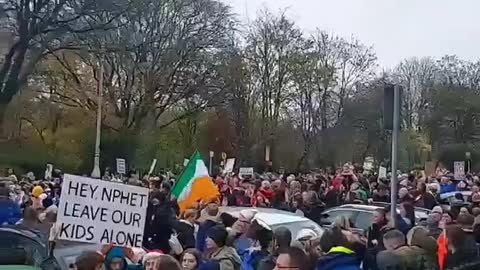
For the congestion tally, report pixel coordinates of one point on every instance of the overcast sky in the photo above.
(396, 28)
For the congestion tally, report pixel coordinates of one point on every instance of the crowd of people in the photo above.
(204, 237)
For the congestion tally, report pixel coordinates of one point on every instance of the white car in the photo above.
(274, 218)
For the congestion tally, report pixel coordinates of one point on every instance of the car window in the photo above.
(332, 215)
(363, 220)
(18, 249)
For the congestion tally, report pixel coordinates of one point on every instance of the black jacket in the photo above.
(185, 234)
(159, 227)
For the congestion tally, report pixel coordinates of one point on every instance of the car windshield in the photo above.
(17, 249)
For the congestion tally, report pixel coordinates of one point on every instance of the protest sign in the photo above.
(101, 212)
(48, 171)
(382, 172)
(121, 166)
(245, 171)
(152, 167)
(459, 170)
(430, 168)
(229, 165)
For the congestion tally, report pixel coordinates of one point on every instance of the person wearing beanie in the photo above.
(149, 260)
(239, 231)
(37, 197)
(226, 256)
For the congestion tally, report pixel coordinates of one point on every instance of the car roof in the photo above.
(269, 216)
(421, 213)
(452, 194)
(22, 232)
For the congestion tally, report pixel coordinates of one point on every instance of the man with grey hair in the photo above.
(393, 239)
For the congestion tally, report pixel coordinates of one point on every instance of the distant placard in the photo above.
(430, 167)
(459, 170)
(229, 165)
(244, 171)
(382, 172)
(152, 166)
(121, 166)
(101, 212)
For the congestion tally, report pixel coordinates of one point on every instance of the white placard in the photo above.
(185, 162)
(48, 171)
(121, 166)
(245, 171)
(152, 167)
(101, 212)
(382, 172)
(459, 170)
(229, 164)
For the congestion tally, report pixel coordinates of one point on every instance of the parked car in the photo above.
(274, 218)
(22, 250)
(361, 215)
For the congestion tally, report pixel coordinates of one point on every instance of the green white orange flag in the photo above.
(194, 184)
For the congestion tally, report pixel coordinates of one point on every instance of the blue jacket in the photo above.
(445, 188)
(10, 212)
(339, 258)
(202, 234)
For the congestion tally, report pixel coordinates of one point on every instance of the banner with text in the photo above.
(97, 211)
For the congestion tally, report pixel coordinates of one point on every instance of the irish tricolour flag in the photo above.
(194, 184)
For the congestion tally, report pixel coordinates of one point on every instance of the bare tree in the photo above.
(271, 42)
(417, 76)
(42, 26)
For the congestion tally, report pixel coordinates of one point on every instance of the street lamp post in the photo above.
(96, 161)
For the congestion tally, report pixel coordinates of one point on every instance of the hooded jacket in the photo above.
(228, 258)
(115, 253)
(339, 258)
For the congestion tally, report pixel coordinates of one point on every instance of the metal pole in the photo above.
(210, 166)
(395, 134)
(210, 163)
(96, 163)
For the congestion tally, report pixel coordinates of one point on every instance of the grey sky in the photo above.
(396, 28)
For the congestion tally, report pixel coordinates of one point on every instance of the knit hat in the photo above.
(37, 191)
(247, 215)
(306, 233)
(437, 209)
(153, 254)
(218, 234)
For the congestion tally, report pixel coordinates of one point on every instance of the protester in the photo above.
(167, 262)
(186, 228)
(337, 252)
(10, 212)
(89, 260)
(292, 258)
(159, 225)
(115, 259)
(226, 256)
(150, 260)
(191, 259)
(282, 237)
(209, 217)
